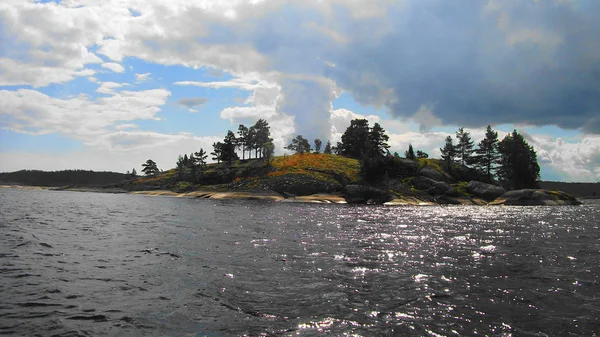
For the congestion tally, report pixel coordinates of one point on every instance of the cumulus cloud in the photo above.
(117, 68)
(32, 112)
(142, 77)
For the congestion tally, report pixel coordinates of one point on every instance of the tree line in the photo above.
(512, 161)
(62, 178)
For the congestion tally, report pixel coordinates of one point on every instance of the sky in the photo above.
(108, 84)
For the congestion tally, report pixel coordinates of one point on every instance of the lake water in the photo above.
(90, 264)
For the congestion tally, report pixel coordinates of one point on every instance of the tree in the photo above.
(318, 144)
(518, 167)
(268, 151)
(448, 152)
(228, 153)
(150, 168)
(242, 139)
(133, 173)
(199, 164)
(180, 166)
(217, 151)
(464, 148)
(486, 154)
(299, 145)
(410, 154)
(328, 149)
(261, 135)
(379, 139)
(421, 154)
(354, 139)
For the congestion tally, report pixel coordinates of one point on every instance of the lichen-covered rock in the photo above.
(359, 194)
(532, 197)
(484, 191)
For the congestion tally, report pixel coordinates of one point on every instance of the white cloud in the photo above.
(109, 87)
(142, 77)
(117, 68)
(32, 112)
(126, 150)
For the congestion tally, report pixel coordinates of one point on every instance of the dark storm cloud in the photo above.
(479, 63)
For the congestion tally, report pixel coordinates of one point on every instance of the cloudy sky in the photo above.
(107, 84)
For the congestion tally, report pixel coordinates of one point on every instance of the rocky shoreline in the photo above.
(352, 194)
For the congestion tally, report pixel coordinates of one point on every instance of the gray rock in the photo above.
(407, 167)
(432, 187)
(484, 191)
(531, 197)
(432, 173)
(359, 194)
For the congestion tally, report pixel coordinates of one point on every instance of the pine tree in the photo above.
(354, 139)
(464, 148)
(379, 139)
(150, 168)
(242, 139)
(448, 152)
(410, 154)
(421, 154)
(518, 167)
(299, 145)
(486, 154)
(228, 153)
(318, 144)
(328, 148)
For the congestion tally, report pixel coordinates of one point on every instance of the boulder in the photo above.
(406, 167)
(432, 173)
(533, 197)
(484, 191)
(359, 194)
(432, 187)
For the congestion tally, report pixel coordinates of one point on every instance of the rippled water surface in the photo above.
(85, 264)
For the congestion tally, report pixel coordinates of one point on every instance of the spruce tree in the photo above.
(410, 154)
(464, 148)
(518, 167)
(486, 154)
(448, 152)
(328, 149)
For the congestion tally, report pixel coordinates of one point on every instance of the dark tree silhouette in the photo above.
(410, 153)
(299, 145)
(328, 149)
(464, 148)
(318, 144)
(518, 163)
(448, 152)
(486, 154)
(150, 168)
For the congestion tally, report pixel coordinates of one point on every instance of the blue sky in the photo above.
(105, 85)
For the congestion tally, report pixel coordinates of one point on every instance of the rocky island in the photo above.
(328, 178)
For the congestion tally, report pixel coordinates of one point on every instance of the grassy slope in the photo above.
(254, 174)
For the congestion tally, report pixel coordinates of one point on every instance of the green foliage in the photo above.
(486, 154)
(464, 148)
(299, 145)
(421, 154)
(318, 144)
(518, 167)
(448, 152)
(328, 148)
(354, 139)
(410, 153)
(150, 168)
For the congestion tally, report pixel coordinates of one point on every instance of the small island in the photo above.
(359, 170)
